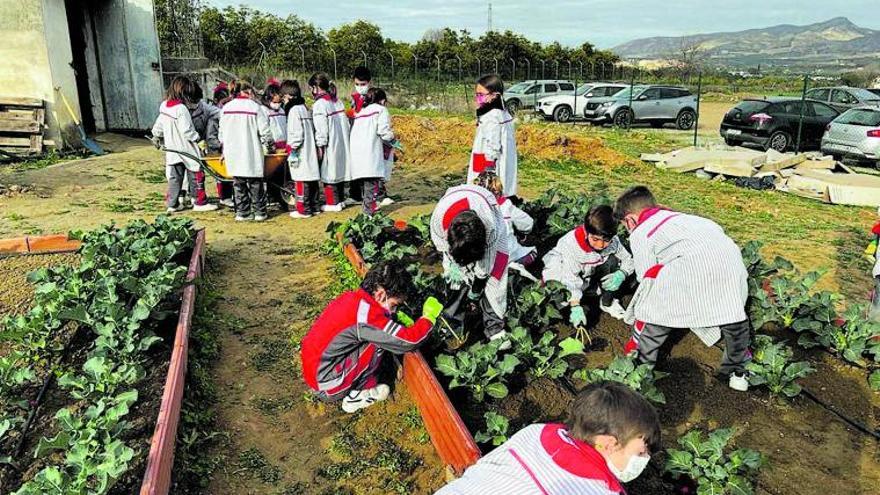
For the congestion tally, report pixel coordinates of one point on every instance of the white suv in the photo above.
(527, 93)
(564, 108)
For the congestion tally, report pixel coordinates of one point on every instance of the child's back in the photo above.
(243, 127)
(332, 131)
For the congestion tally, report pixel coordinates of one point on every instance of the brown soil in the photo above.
(15, 291)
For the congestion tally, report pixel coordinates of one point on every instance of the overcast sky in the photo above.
(605, 23)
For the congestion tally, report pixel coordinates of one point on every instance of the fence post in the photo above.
(479, 68)
(557, 69)
(513, 62)
(438, 66)
(569, 69)
(302, 55)
(632, 84)
(581, 70)
(543, 66)
(391, 55)
(575, 106)
(459, 67)
(528, 70)
(496, 64)
(602, 66)
(699, 93)
(365, 57)
(797, 148)
(593, 70)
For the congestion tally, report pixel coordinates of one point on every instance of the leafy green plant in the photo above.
(496, 429)
(851, 339)
(625, 370)
(874, 380)
(479, 369)
(793, 304)
(771, 365)
(534, 306)
(708, 461)
(544, 358)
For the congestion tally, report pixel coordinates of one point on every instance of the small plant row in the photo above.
(709, 463)
(118, 292)
(782, 296)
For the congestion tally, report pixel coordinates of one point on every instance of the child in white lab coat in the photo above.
(273, 106)
(370, 133)
(495, 143)
(516, 219)
(332, 140)
(244, 130)
(174, 130)
(305, 170)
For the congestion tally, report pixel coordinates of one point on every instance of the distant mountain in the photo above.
(834, 43)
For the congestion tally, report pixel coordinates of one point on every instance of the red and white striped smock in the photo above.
(540, 459)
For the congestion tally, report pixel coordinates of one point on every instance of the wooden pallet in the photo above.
(21, 124)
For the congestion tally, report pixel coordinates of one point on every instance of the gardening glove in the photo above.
(396, 144)
(871, 250)
(432, 309)
(203, 145)
(613, 281)
(577, 317)
(474, 295)
(405, 319)
(157, 142)
(453, 274)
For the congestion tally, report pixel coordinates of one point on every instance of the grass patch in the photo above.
(253, 463)
(47, 159)
(121, 205)
(274, 405)
(270, 353)
(152, 176)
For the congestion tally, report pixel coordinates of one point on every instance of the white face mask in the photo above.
(275, 106)
(634, 468)
(362, 90)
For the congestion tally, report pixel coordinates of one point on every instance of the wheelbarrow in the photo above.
(274, 164)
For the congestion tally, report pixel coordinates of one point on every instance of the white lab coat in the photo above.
(372, 126)
(301, 139)
(244, 128)
(493, 265)
(517, 221)
(573, 261)
(495, 142)
(175, 126)
(332, 132)
(277, 125)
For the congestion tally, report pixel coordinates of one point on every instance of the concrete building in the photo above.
(103, 55)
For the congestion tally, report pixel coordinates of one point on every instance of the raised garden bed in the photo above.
(837, 409)
(74, 376)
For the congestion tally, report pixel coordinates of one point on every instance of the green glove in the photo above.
(577, 318)
(453, 274)
(404, 319)
(474, 295)
(613, 281)
(432, 309)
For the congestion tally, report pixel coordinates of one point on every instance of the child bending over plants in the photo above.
(872, 254)
(342, 351)
(591, 259)
(517, 221)
(607, 440)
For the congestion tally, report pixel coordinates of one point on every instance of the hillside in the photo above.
(836, 42)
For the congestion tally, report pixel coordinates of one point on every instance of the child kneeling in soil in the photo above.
(607, 440)
(370, 134)
(516, 219)
(342, 351)
(244, 130)
(591, 258)
(873, 254)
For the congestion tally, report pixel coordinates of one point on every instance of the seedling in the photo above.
(543, 356)
(771, 366)
(708, 462)
(496, 429)
(639, 377)
(479, 369)
(792, 304)
(852, 339)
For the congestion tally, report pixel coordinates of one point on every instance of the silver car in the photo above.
(843, 98)
(559, 107)
(527, 93)
(854, 134)
(653, 104)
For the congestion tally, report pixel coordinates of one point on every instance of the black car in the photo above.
(773, 123)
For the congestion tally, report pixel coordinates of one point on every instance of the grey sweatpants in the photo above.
(370, 194)
(177, 173)
(250, 193)
(737, 337)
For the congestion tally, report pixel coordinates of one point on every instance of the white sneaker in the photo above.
(332, 208)
(359, 399)
(175, 209)
(522, 271)
(205, 207)
(739, 382)
(386, 201)
(239, 218)
(614, 309)
(260, 218)
(228, 202)
(350, 202)
(296, 214)
(502, 335)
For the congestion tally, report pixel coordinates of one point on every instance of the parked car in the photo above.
(876, 91)
(844, 97)
(563, 108)
(854, 134)
(526, 94)
(656, 105)
(773, 123)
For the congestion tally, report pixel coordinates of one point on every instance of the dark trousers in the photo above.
(250, 194)
(178, 173)
(456, 312)
(383, 189)
(334, 193)
(224, 190)
(370, 194)
(355, 189)
(307, 197)
(736, 344)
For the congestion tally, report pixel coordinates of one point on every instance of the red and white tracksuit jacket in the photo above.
(690, 273)
(345, 344)
(540, 459)
(493, 265)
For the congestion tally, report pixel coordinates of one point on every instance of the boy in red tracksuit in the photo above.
(342, 351)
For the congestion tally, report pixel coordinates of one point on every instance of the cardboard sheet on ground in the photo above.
(843, 189)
